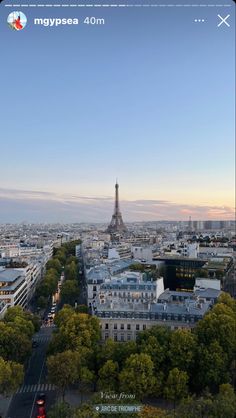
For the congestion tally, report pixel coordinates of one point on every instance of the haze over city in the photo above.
(33, 206)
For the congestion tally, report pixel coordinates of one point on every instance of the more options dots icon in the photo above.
(17, 20)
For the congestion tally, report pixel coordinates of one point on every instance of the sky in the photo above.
(148, 98)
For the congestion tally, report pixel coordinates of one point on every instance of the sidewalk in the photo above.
(73, 397)
(4, 405)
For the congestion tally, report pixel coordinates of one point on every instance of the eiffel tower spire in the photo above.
(116, 224)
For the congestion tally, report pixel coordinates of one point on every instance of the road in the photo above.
(23, 404)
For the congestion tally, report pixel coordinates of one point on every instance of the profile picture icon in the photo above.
(16, 20)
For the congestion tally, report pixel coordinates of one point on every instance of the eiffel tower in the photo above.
(116, 225)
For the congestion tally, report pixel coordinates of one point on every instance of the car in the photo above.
(49, 315)
(35, 344)
(41, 412)
(53, 310)
(40, 401)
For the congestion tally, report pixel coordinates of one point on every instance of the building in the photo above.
(131, 287)
(122, 321)
(202, 283)
(3, 309)
(13, 287)
(142, 253)
(99, 274)
(33, 273)
(120, 251)
(180, 272)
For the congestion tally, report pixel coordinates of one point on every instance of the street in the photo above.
(23, 404)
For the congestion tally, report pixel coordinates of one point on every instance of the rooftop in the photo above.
(191, 308)
(171, 295)
(9, 275)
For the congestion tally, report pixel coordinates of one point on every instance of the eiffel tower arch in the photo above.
(116, 225)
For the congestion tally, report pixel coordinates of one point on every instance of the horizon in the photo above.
(46, 207)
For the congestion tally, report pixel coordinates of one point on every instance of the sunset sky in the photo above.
(148, 98)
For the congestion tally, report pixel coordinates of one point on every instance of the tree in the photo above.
(218, 325)
(155, 342)
(222, 405)
(227, 300)
(123, 350)
(192, 407)
(211, 366)
(23, 326)
(80, 330)
(155, 350)
(11, 376)
(108, 376)
(42, 302)
(106, 352)
(15, 313)
(162, 335)
(176, 385)
(85, 377)
(63, 315)
(69, 291)
(71, 271)
(60, 410)
(48, 285)
(182, 349)
(152, 412)
(14, 344)
(85, 411)
(225, 402)
(54, 263)
(71, 259)
(82, 309)
(61, 255)
(63, 369)
(137, 376)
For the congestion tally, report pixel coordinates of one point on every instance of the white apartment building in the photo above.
(119, 252)
(122, 321)
(130, 287)
(190, 250)
(202, 283)
(9, 249)
(3, 308)
(215, 251)
(142, 253)
(13, 287)
(33, 274)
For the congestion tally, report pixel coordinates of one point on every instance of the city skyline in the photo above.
(34, 206)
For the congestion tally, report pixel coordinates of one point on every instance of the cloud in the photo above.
(41, 206)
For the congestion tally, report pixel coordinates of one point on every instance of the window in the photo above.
(115, 337)
(122, 337)
(144, 326)
(137, 327)
(122, 326)
(115, 326)
(128, 337)
(128, 326)
(94, 288)
(106, 326)
(106, 335)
